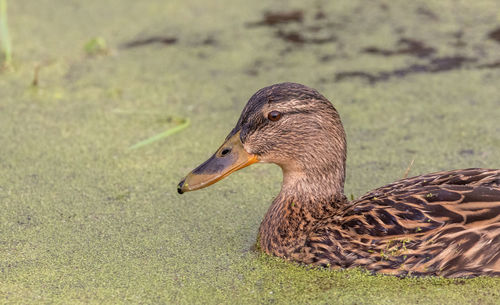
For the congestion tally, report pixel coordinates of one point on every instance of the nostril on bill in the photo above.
(225, 151)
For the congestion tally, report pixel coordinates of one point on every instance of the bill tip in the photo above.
(179, 187)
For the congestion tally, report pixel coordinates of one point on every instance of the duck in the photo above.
(444, 224)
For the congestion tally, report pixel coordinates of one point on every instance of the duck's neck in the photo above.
(305, 198)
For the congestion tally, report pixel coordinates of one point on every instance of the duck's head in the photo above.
(288, 124)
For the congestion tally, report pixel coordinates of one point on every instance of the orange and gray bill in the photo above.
(230, 157)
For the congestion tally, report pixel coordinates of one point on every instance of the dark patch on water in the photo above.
(459, 42)
(301, 35)
(291, 36)
(422, 11)
(406, 46)
(252, 72)
(466, 152)
(493, 65)
(495, 35)
(320, 15)
(384, 7)
(435, 65)
(371, 78)
(447, 63)
(327, 57)
(286, 50)
(276, 18)
(298, 29)
(165, 40)
(209, 41)
(254, 69)
(298, 38)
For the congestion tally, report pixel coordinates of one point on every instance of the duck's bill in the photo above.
(230, 157)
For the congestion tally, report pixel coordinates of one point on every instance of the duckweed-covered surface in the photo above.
(86, 220)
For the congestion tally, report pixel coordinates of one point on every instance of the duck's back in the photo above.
(445, 223)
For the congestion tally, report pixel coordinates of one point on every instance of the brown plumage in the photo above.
(445, 223)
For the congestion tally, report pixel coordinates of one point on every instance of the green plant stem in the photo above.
(4, 33)
(184, 123)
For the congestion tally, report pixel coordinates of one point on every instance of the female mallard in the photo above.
(445, 223)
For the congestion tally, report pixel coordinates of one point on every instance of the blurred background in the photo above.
(90, 216)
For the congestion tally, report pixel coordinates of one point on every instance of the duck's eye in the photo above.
(274, 115)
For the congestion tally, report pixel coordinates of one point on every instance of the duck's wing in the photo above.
(445, 223)
(470, 198)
